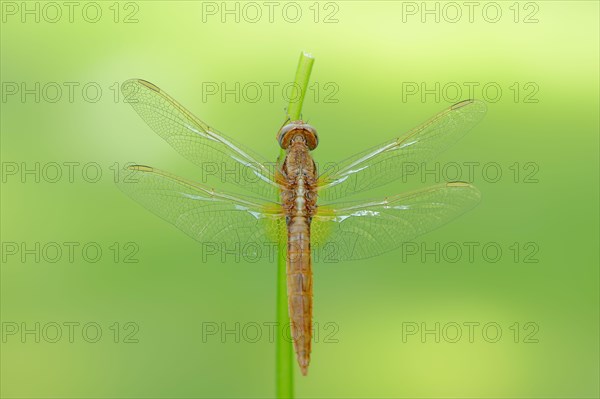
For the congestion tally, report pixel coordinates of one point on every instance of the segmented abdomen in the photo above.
(299, 287)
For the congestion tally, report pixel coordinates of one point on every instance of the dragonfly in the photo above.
(291, 202)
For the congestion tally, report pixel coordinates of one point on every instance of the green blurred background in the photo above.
(542, 55)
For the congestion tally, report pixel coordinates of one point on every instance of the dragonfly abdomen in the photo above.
(299, 283)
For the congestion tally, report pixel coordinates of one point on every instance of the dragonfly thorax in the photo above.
(298, 130)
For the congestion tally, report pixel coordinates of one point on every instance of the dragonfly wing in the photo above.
(220, 221)
(391, 160)
(214, 152)
(358, 230)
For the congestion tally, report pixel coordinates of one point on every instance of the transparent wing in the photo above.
(391, 160)
(214, 152)
(221, 222)
(356, 230)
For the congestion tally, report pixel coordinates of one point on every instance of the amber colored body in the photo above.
(299, 197)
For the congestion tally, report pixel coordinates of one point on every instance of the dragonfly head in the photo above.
(298, 130)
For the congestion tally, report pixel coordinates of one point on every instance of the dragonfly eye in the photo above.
(298, 128)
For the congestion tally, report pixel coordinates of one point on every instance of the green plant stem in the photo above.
(285, 349)
(305, 64)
